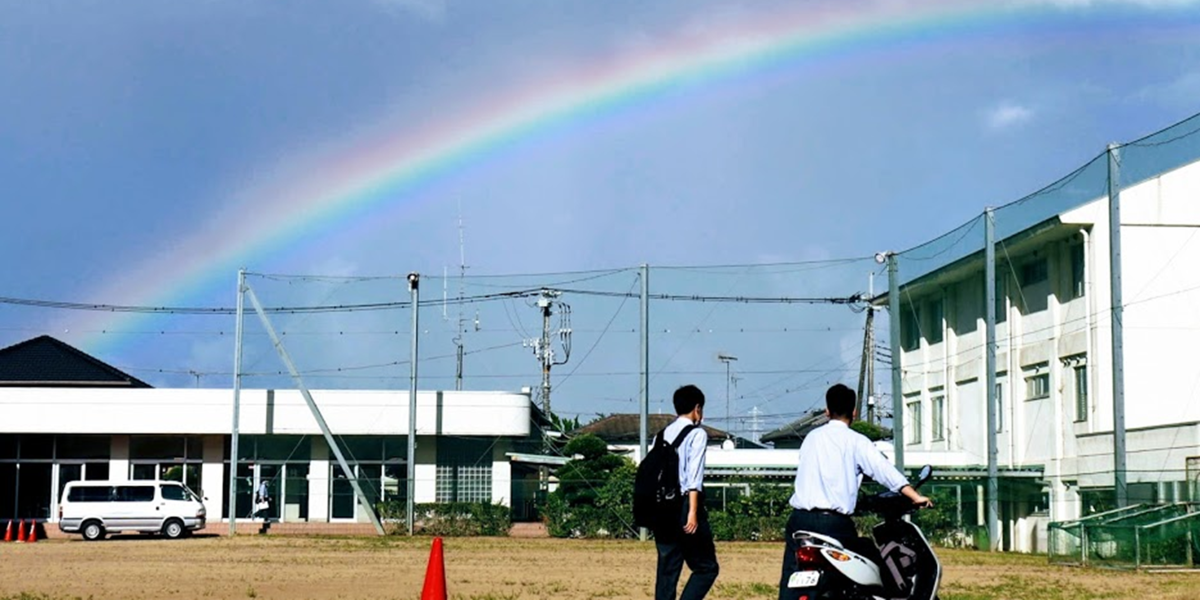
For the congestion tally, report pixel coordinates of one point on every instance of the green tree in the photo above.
(595, 492)
(872, 431)
(580, 480)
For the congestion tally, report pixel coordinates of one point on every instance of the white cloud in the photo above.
(433, 10)
(1006, 115)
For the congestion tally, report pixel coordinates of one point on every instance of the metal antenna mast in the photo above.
(462, 274)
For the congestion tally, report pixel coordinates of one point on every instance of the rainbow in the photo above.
(382, 176)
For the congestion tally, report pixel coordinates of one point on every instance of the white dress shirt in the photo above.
(691, 454)
(833, 460)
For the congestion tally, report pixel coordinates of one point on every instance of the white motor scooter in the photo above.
(826, 569)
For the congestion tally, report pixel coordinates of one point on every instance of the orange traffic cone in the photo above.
(8, 532)
(21, 531)
(32, 532)
(435, 574)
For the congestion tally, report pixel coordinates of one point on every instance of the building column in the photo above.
(212, 472)
(501, 475)
(318, 481)
(118, 462)
(425, 488)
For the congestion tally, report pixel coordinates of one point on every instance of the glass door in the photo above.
(271, 475)
(295, 493)
(341, 504)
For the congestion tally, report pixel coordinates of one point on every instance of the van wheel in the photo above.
(93, 531)
(173, 529)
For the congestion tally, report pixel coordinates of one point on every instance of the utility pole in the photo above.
(870, 391)
(237, 397)
(755, 423)
(543, 347)
(989, 311)
(544, 351)
(894, 326)
(868, 357)
(1118, 323)
(414, 288)
(644, 368)
(727, 359)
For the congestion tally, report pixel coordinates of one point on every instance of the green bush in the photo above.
(760, 515)
(940, 523)
(448, 519)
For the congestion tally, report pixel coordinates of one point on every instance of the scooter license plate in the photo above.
(803, 579)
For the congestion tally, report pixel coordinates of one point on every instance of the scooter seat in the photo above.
(799, 537)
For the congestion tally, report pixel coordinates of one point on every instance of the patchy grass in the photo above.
(393, 568)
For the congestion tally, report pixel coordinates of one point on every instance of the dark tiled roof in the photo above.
(46, 362)
(796, 431)
(793, 434)
(626, 428)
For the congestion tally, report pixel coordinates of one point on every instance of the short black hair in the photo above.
(687, 398)
(841, 401)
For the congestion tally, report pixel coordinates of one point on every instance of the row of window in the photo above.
(1032, 295)
(125, 493)
(1037, 387)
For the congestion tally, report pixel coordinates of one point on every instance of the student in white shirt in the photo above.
(695, 545)
(833, 460)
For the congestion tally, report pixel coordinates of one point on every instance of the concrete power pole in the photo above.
(544, 351)
(989, 301)
(1118, 325)
(543, 347)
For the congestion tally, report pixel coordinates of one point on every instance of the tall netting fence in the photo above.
(763, 341)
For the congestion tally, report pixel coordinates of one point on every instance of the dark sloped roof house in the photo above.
(44, 361)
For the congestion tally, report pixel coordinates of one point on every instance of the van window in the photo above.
(90, 493)
(174, 492)
(135, 493)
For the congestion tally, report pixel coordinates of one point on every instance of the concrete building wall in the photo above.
(1055, 332)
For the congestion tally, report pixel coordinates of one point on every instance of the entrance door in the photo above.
(272, 476)
(341, 505)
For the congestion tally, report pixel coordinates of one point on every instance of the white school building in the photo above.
(1054, 361)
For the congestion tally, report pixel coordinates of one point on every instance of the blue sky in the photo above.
(126, 127)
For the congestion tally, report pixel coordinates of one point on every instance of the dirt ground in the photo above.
(484, 569)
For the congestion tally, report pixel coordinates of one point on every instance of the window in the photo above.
(999, 406)
(143, 472)
(1035, 286)
(90, 493)
(910, 330)
(173, 492)
(936, 316)
(83, 446)
(1077, 271)
(1081, 393)
(1037, 382)
(1001, 295)
(914, 422)
(938, 405)
(464, 471)
(1034, 271)
(134, 493)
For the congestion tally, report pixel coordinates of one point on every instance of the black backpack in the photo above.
(657, 501)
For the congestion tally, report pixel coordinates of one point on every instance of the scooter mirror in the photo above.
(925, 474)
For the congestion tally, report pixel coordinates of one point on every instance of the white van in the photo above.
(96, 508)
